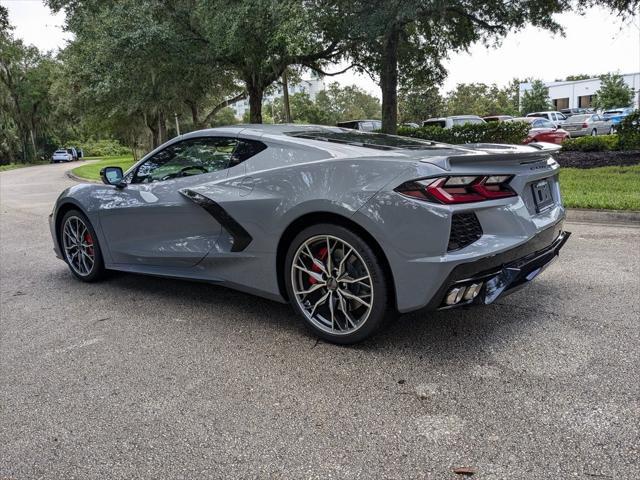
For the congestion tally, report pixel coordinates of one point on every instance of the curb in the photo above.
(70, 174)
(607, 217)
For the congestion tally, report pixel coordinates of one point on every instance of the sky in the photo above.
(596, 42)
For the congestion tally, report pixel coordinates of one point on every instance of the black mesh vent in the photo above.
(465, 229)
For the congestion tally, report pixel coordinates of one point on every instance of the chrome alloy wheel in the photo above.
(78, 246)
(332, 284)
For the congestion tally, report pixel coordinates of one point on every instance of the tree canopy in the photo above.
(26, 76)
(411, 38)
(481, 99)
(135, 67)
(535, 99)
(330, 106)
(613, 92)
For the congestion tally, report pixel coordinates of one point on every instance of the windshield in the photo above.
(380, 141)
(464, 121)
(544, 123)
(580, 118)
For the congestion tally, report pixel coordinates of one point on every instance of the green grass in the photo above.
(91, 171)
(612, 188)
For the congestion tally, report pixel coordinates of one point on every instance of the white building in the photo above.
(581, 93)
(311, 86)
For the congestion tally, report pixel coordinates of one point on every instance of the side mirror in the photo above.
(112, 176)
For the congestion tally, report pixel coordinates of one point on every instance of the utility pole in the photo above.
(175, 115)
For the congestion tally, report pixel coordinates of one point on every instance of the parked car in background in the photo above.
(409, 125)
(497, 118)
(554, 116)
(66, 155)
(62, 155)
(616, 115)
(543, 130)
(448, 122)
(363, 125)
(568, 112)
(588, 124)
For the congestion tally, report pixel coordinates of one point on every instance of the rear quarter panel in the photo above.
(266, 202)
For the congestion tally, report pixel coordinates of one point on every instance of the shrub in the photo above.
(591, 144)
(494, 132)
(100, 148)
(629, 132)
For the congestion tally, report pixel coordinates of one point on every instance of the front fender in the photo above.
(87, 199)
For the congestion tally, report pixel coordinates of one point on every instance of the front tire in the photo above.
(337, 284)
(80, 247)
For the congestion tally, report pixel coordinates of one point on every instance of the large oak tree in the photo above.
(405, 40)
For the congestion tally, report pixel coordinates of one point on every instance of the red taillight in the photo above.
(459, 189)
(585, 125)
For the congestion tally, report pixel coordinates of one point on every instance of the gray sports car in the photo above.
(350, 227)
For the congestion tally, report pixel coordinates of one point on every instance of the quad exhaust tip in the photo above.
(464, 292)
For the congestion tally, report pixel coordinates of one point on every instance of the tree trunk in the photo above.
(25, 147)
(255, 103)
(285, 97)
(152, 125)
(33, 144)
(28, 149)
(389, 81)
(155, 138)
(194, 115)
(162, 127)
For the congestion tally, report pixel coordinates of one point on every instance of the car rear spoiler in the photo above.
(497, 154)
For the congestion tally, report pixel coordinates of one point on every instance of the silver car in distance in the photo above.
(349, 227)
(588, 124)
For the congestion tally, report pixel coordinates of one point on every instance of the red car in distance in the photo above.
(543, 130)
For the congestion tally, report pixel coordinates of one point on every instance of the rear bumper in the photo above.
(506, 272)
(579, 133)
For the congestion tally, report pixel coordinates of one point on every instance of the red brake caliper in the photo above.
(322, 254)
(89, 241)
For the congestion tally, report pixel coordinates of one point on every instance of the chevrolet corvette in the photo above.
(350, 227)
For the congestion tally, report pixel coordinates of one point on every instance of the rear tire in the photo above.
(337, 284)
(612, 130)
(594, 132)
(80, 247)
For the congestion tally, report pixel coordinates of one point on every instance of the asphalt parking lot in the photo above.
(141, 377)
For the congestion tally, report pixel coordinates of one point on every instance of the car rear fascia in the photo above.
(506, 272)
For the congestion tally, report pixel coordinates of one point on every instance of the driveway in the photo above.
(141, 377)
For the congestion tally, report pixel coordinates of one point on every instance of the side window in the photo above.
(434, 123)
(537, 123)
(547, 124)
(190, 157)
(245, 150)
(366, 126)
